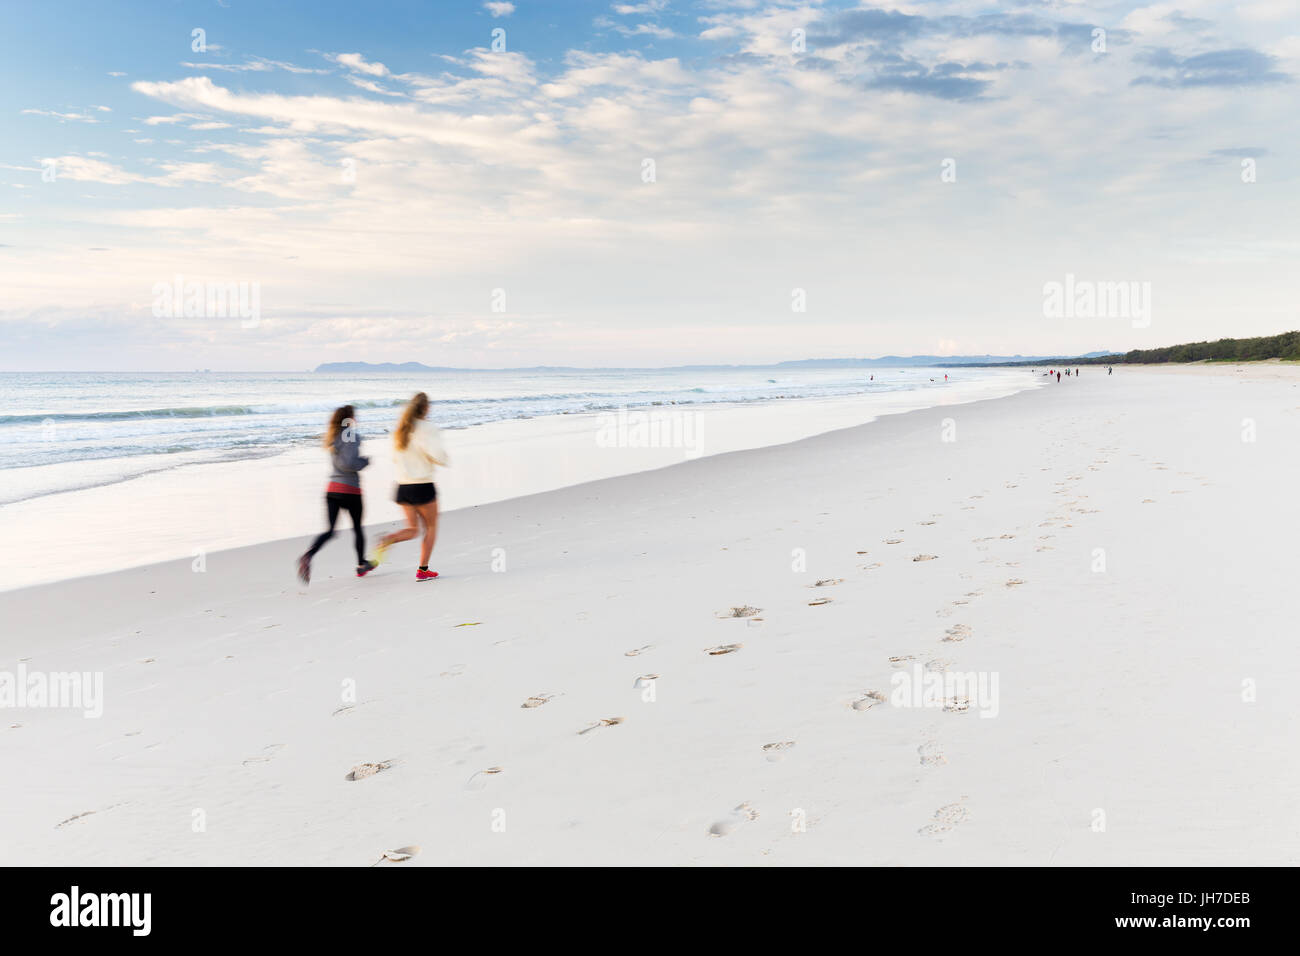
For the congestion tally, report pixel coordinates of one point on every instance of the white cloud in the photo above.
(637, 9)
(64, 117)
(174, 118)
(358, 63)
(370, 86)
(252, 65)
(499, 8)
(87, 170)
(647, 29)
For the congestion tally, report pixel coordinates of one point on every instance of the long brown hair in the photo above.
(343, 415)
(415, 409)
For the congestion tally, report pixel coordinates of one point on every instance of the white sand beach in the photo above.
(1111, 556)
(196, 509)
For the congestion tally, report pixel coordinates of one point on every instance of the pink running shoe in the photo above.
(425, 575)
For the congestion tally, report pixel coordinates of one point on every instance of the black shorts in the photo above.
(416, 494)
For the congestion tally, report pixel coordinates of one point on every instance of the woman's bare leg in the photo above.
(403, 534)
(429, 513)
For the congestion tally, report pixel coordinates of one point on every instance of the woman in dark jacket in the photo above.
(344, 489)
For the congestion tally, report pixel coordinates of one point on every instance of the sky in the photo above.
(639, 183)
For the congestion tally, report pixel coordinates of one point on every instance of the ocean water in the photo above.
(64, 431)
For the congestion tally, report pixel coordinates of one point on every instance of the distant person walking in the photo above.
(1058, 376)
(417, 447)
(343, 493)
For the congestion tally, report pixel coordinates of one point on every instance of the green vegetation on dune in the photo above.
(1284, 346)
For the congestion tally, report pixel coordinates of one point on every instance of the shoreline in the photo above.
(196, 509)
(1119, 692)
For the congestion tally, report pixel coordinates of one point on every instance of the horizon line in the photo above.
(939, 359)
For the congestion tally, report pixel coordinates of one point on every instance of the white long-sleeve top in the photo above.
(414, 464)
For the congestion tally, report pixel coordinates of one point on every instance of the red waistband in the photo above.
(336, 487)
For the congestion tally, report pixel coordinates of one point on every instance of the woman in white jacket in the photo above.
(417, 447)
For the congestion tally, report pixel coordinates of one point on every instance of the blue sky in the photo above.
(397, 189)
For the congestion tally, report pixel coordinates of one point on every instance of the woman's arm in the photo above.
(431, 444)
(350, 453)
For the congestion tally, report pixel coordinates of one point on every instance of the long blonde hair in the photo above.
(343, 415)
(415, 409)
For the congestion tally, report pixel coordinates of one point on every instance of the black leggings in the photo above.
(352, 504)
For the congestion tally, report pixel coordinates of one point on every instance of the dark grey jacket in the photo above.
(347, 460)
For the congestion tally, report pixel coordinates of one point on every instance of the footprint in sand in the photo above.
(73, 819)
(479, 779)
(270, 752)
(937, 665)
(723, 649)
(931, 754)
(956, 705)
(956, 633)
(78, 816)
(925, 522)
(827, 583)
(776, 751)
(870, 567)
(893, 541)
(400, 855)
(945, 818)
(901, 660)
(637, 651)
(868, 700)
(1015, 583)
(603, 722)
(741, 814)
(819, 601)
(363, 770)
(743, 611)
(645, 680)
(1148, 501)
(455, 670)
(537, 701)
(925, 557)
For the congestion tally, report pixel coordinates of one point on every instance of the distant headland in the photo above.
(887, 361)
